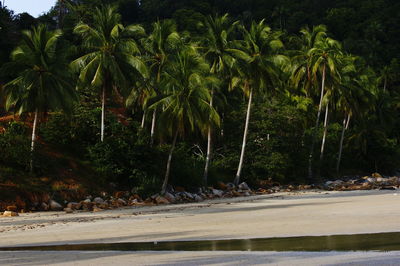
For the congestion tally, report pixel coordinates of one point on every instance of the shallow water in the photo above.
(359, 242)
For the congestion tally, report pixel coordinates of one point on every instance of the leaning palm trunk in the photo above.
(153, 127)
(344, 127)
(165, 183)
(209, 146)
(325, 132)
(143, 119)
(33, 138)
(310, 158)
(103, 105)
(246, 127)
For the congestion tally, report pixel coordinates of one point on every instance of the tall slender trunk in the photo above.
(310, 158)
(153, 127)
(209, 136)
(33, 138)
(103, 104)
(246, 128)
(165, 183)
(143, 119)
(325, 132)
(344, 127)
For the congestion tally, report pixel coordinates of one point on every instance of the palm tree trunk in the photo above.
(325, 132)
(103, 104)
(246, 128)
(33, 138)
(344, 127)
(310, 158)
(208, 158)
(153, 127)
(165, 183)
(143, 119)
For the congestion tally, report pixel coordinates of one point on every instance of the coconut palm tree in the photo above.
(159, 46)
(220, 54)
(43, 81)
(256, 69)
(112, 55)
(324, 57)
(185, 102)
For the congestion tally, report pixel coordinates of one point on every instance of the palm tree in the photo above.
(112, 60)
(159, 46)
(219, 53)
(256, 69)
(43, 81)
(324, 57)
(185, 102)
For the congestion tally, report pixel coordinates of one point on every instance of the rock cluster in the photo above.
(375, 181)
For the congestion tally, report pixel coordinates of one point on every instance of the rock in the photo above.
(230, 186)
(243, 186)
(10, 214)
(329, 183)
(189, 195)
(198, 198)
(87, 206)
(376, 175)
(97, 209)
(170, 197)
(103, 205)
(98, 200)
(12, 208)
(120, 202)
(74, 205)
(87, 201)
(68, 210)
(371, 180)
(44, 206)
(161, 200)
(55, 206)
(217, 192)
(388, 188)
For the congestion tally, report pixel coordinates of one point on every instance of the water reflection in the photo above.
(360, 242)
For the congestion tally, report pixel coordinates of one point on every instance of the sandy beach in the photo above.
(275, 215)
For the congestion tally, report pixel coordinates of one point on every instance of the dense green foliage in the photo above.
(308, 89)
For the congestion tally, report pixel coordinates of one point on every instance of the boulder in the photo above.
(198, 198)
(376, 175)
(44, 206)
(55, 206)
(98, 200)
(170, 197)
(74, 205)
(161, 200)
(217, 192)
(10, 214)
(243, 186)
(97, 209)
(122, 202)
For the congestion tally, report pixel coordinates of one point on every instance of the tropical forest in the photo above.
(154, 96)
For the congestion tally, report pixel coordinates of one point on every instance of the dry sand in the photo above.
(286, 214)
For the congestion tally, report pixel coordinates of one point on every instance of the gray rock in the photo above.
(98, 200)
(68, 210)
(171, 198)
(198, 198)
(217, 192)
(87, 201)
(122, 201)
(55, 206)
(243, 186)
(371, 180)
